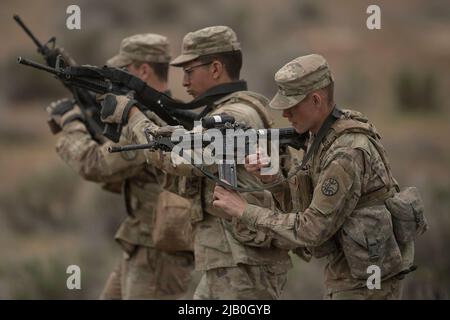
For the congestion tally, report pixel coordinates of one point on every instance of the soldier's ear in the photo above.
(316, 99)
(217, 68)
(145, 70)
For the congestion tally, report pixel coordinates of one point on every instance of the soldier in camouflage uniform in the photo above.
(237, 262)
(338, 198)
(143, 272)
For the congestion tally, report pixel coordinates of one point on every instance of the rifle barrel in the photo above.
(113, 149)
(28, 31)
(37, 65)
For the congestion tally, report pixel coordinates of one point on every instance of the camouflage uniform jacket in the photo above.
(140, 183)
(219, 242)
(345, 218)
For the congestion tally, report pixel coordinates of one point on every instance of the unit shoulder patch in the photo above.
(330, 187)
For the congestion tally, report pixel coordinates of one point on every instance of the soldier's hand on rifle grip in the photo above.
(231, 202)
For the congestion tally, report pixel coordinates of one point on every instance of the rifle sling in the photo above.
(159, 102)
(162, 104)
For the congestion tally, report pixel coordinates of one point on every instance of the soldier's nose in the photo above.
(185, 81)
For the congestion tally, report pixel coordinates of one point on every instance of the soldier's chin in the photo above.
(299, 129)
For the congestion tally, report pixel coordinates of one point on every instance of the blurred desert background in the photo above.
(398, 76)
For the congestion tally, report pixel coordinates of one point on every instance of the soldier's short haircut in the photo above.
(231, 60)
(161, 69)
(329, 90)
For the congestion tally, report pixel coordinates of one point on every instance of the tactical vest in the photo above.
(192, 186)
(392, 246)
(352, 122)
(220, 242)
(252, 99)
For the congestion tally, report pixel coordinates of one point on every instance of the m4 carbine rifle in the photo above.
(102, 80)
(227, 170)
(85, 99)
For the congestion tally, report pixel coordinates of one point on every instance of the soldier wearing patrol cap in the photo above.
(237, 262)
(143, 272)
(340, 199)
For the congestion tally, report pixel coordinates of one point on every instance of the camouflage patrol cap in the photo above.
(298, 78)
(206, 41)
(147, 47)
